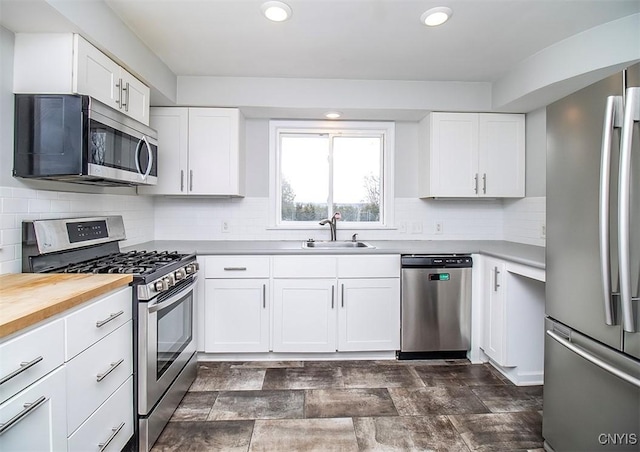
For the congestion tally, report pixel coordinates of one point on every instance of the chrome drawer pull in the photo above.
(114, 432)
(28, 409)
(101, 376)
(100, 323)
(235, 269)
(23, 366)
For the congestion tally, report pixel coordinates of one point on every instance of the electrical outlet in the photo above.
(225, 226)
(543, 231)
(416, 227)
(439, 227)
(402, 227)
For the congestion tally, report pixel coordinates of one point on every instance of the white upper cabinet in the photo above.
(470, 155)
(201, 151)
(65, 63)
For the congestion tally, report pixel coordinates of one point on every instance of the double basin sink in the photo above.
(331, 245)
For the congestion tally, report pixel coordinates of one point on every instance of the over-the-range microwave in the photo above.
(75, 138)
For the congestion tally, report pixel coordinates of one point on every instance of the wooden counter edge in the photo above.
(15, 325)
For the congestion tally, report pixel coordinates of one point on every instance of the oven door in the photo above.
(166, 342)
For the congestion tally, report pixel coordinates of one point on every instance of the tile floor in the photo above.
(354, 406)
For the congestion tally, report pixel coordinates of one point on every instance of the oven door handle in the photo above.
(171, 301)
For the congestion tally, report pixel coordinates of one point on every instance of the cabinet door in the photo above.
(214, 151)
(304, 315)
(172, 125)
(369, 314)
(135, 97)
(454, 154)
(501, 161)
(43, 426)
(96, 74)
(236, 315)
(494, 310)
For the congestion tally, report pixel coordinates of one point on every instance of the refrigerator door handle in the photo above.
(612, 120)
(631, 115)
(594, 359)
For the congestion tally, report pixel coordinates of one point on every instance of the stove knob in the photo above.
(189, 269)
(167, 281)
(159, 286)
(180, 274)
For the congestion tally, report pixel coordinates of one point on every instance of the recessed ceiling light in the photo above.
(436, 16)
(332, 114)
(276, 11)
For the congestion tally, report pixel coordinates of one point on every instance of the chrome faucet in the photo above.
(332, 224)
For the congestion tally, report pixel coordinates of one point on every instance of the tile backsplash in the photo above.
(18, 204)
(166, 218)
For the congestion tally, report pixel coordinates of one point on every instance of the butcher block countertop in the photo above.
(28, 298)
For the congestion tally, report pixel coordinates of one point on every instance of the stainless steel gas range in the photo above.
(163, 304)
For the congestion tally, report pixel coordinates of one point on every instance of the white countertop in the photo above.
(530, 255)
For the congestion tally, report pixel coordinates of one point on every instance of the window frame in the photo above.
(385, 129)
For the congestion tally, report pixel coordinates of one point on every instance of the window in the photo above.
(319, 168)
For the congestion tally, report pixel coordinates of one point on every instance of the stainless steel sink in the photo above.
(328, 245)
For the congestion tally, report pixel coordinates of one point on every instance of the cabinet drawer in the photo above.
(109, 361)
(41, 350)
(304, 267)
(383, 266)
(236, 267)
(110, 427)
(42, 428)
(90, 324)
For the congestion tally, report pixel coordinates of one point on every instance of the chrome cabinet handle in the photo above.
(496, 272)
(181, 180)
(112, 367)
(631, 115)
(190, 180)
(235, 269)
(114, 432)
(612, 118)
(113, 316)
(475, 183)
(484, 183)
(333, 296)
(264, 296)
(28, 409)
(119, 86)
(594, 359)
(342, 294)
(126, 104)
(23, 366)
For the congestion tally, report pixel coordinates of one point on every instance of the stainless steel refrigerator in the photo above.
(592, 341)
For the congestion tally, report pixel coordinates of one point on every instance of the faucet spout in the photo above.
(332, 224)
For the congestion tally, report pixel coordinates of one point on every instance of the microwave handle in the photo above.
(149, 153)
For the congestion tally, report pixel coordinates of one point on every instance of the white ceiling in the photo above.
(359, 39)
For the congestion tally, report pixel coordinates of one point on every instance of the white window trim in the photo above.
(301, 126)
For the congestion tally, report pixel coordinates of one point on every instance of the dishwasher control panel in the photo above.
(439, 261)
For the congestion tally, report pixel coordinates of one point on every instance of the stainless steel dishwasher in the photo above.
(436, 306)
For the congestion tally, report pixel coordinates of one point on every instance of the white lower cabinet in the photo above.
(304, 315)
(301, 303)
(369, 314)
(495, 311)
(96, 373)
(513, 297)
(53, 403)
(236, 315)
(35, 419)
(110, 427)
